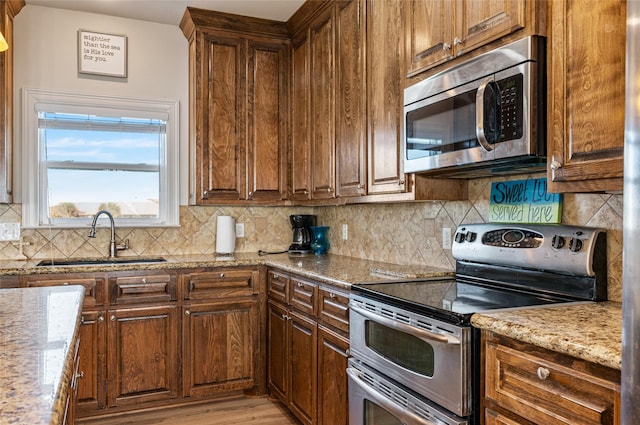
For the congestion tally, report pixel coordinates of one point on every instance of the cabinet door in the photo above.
(277, 369)
(142, 355)
(303, 363)
(92, 356)
(322, 45)
(428, 45)
(300, 127)
(350, 99)
(481, 21)
(385, 70)
(587, 91)
(267, 78)
(219, 347)
(333, 352)
(220, 169)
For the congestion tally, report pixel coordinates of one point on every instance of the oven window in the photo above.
(445, 126)
(376, 415)
(405, 350)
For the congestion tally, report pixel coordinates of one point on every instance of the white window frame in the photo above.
(35, 208)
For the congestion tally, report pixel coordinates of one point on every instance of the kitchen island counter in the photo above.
(588, 331)
(38, 333)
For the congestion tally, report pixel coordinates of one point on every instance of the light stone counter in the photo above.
(38, 332)
(588, 331)
(334, 269)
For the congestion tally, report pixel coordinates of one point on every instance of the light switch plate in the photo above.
(239, 230)
(446, 238)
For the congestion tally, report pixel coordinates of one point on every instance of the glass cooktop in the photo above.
(450, 297)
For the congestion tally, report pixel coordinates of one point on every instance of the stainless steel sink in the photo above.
(102, 261)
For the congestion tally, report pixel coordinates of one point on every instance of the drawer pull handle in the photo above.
(543, 373)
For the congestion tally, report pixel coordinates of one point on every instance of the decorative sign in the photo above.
(524, 201)
(102, 54)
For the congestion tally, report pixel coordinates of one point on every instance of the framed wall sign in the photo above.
(524, 201)
(102, 54)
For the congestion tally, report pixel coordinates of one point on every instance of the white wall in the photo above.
(46, 55)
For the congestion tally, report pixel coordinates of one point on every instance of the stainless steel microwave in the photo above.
(482, 117)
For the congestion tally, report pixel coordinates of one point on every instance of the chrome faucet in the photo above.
(113, 247)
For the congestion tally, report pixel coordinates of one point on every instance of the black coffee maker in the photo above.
(302, 235)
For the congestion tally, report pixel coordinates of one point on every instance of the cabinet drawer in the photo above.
(302, 295)
(217, 284)
(149, 288)
(333, 308)
(93, 287)
(278, 284)
(549, 392)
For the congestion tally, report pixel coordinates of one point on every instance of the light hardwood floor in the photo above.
(235, 411)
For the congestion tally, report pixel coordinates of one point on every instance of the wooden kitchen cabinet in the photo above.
(220, 332)
(8, 10)
(587, 45)
(238, 85)
(385, 97)
(525, 384)
(306, 356)
(441, 30)
(142, 355)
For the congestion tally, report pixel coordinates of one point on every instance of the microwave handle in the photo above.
(488, 91)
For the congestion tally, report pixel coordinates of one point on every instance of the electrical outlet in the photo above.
(446, 238)
(239, 230)
(9, 231)
(345, 232)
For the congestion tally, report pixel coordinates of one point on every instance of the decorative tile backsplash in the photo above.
(402, 233)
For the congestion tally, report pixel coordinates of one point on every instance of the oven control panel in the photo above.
(568, 249)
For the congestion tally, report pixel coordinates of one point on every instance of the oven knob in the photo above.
(471, 236)
(459, 237)
(557, 242)
(575, 245)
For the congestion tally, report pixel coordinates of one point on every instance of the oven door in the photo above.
(426, 355)
(376, 400)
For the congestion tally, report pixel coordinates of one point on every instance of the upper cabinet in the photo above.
(8, 10)
(238, 84)
(441, 30)
(586, 95)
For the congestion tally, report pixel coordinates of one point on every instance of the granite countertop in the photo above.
(37, 345)
(337, 270)
(588, 331)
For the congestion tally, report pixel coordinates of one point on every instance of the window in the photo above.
(88, 153)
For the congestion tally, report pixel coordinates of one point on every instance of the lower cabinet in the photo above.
(525, 384)
(151, 338)
(218, 341)
(306, 357)
(142, 355)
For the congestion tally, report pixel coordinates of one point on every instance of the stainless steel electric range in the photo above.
(416, 358)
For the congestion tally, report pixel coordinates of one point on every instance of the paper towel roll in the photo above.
(225, 234)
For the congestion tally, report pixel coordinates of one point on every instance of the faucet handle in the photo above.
(123, 245)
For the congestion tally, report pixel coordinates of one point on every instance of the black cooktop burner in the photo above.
(452, 299)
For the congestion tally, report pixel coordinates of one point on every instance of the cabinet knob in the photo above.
(329, 190)
(187, 312)
(360, 186)
(81, 374)
(401, 181)
(205, 194)
(300, 284)
(543, 373)
(555, 165)
(101, 318)
(446, 47)
(457, 41)
(82, 320)
(250, 195)
(144, 280)
(332, 295)
(113, 317)
(221, 275)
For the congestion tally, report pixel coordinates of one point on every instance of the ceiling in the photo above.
(171, 11)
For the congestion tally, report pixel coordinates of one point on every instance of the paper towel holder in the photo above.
(225, 236)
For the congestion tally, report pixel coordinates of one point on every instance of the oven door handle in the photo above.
(379, 398)
(424, 335)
